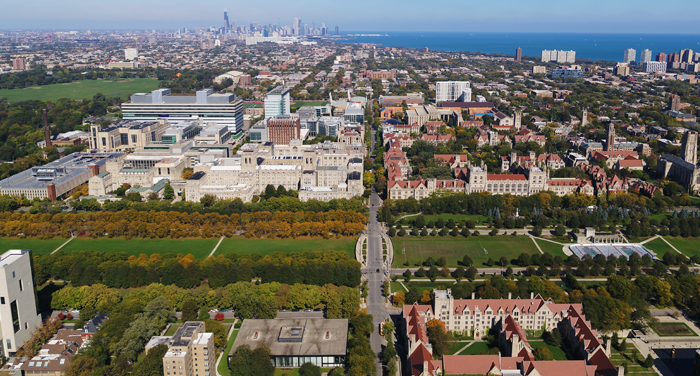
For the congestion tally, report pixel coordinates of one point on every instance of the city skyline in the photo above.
(624, 16)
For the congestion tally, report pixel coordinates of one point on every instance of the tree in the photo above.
(543, 353)
(152, 363)
(433, 273)
(648, 362)
(309, 369)
(362, 324)
(407, 275)
(560, 230)
(420, 273)
(240, 363)
(503, 261)
(467, 261)
(261, 365)
(189, 311)
(207, 200)
(398, 299)
(168, 193)
(490, 262)
(439, 338)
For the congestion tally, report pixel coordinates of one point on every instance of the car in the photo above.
(223, 310)
(377, 270)
(307, 310)
(283, 310)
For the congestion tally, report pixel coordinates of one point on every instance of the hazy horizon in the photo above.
(622, 16)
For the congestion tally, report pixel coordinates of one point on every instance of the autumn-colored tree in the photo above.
(398, 299)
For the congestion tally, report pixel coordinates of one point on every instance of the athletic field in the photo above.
(85, 89)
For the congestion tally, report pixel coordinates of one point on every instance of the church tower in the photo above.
(584, 117)
(518, 119)
(610, 145)
(689, 147)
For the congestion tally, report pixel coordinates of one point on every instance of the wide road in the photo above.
(375, 275)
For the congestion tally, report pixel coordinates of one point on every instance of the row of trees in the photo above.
(132, 223)
(247, 299)
(116, 269)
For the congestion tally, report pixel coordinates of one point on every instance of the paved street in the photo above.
(375, 300)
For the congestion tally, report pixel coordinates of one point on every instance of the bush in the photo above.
(543, 353)
(309, 369)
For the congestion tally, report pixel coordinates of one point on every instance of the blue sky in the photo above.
(617, 16)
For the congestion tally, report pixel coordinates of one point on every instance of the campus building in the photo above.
(191, 351)
(510, 318)
(682, 170)
(295, 341)
(18, 306)
(56, 179)
(126, 135)
(326, 171)
(277, 102)
(218, 108)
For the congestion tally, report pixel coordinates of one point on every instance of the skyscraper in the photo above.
(277, 102)
(645, 56)
(336, 31)
(630, 55)
(295, 26)
(447, 91)
(661, 57)
(687, 56)
(227, 25)
(519, 54)
(610, 144)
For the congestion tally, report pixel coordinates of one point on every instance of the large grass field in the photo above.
(85, 89)
(479, 248)
(659, 247)
(38, 246)
(199, 248)
(554, 249)
(241, 245)
(689, 246)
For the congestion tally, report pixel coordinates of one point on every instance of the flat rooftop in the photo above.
(295, 336)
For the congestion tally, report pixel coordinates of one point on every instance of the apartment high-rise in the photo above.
(277, 102)
(18, 63)
(687, 56)
(558, 56)
(654, 66)
(451, 91)
(645, 56)
(191, 351)
(18, 307)
(630, 55)
(131, 54)
(661, 57)
(518, 54)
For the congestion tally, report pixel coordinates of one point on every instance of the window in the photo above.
(13, 274)
(2, 300)
(9, 344)
(15, 317)
(21, 286)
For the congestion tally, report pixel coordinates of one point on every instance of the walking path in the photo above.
(217, 245)
(670, 245)
(230, 332)
(650, 239)
(464, 348)
(67, 241)
(536, 245)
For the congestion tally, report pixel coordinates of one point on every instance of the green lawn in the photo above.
(633, 368)
(558, 352)
(429, 286)
(554, 249)
(689, 246)
(85, 89)
(241, 245)
(199, 248)
(418, 249)
(38, 246)
(223, 364)
(475, 349)
(396, 286)
(456, 346)
(172, 329)
(659, 247)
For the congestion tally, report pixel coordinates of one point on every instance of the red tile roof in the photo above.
(470, 364)
(490, 177)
